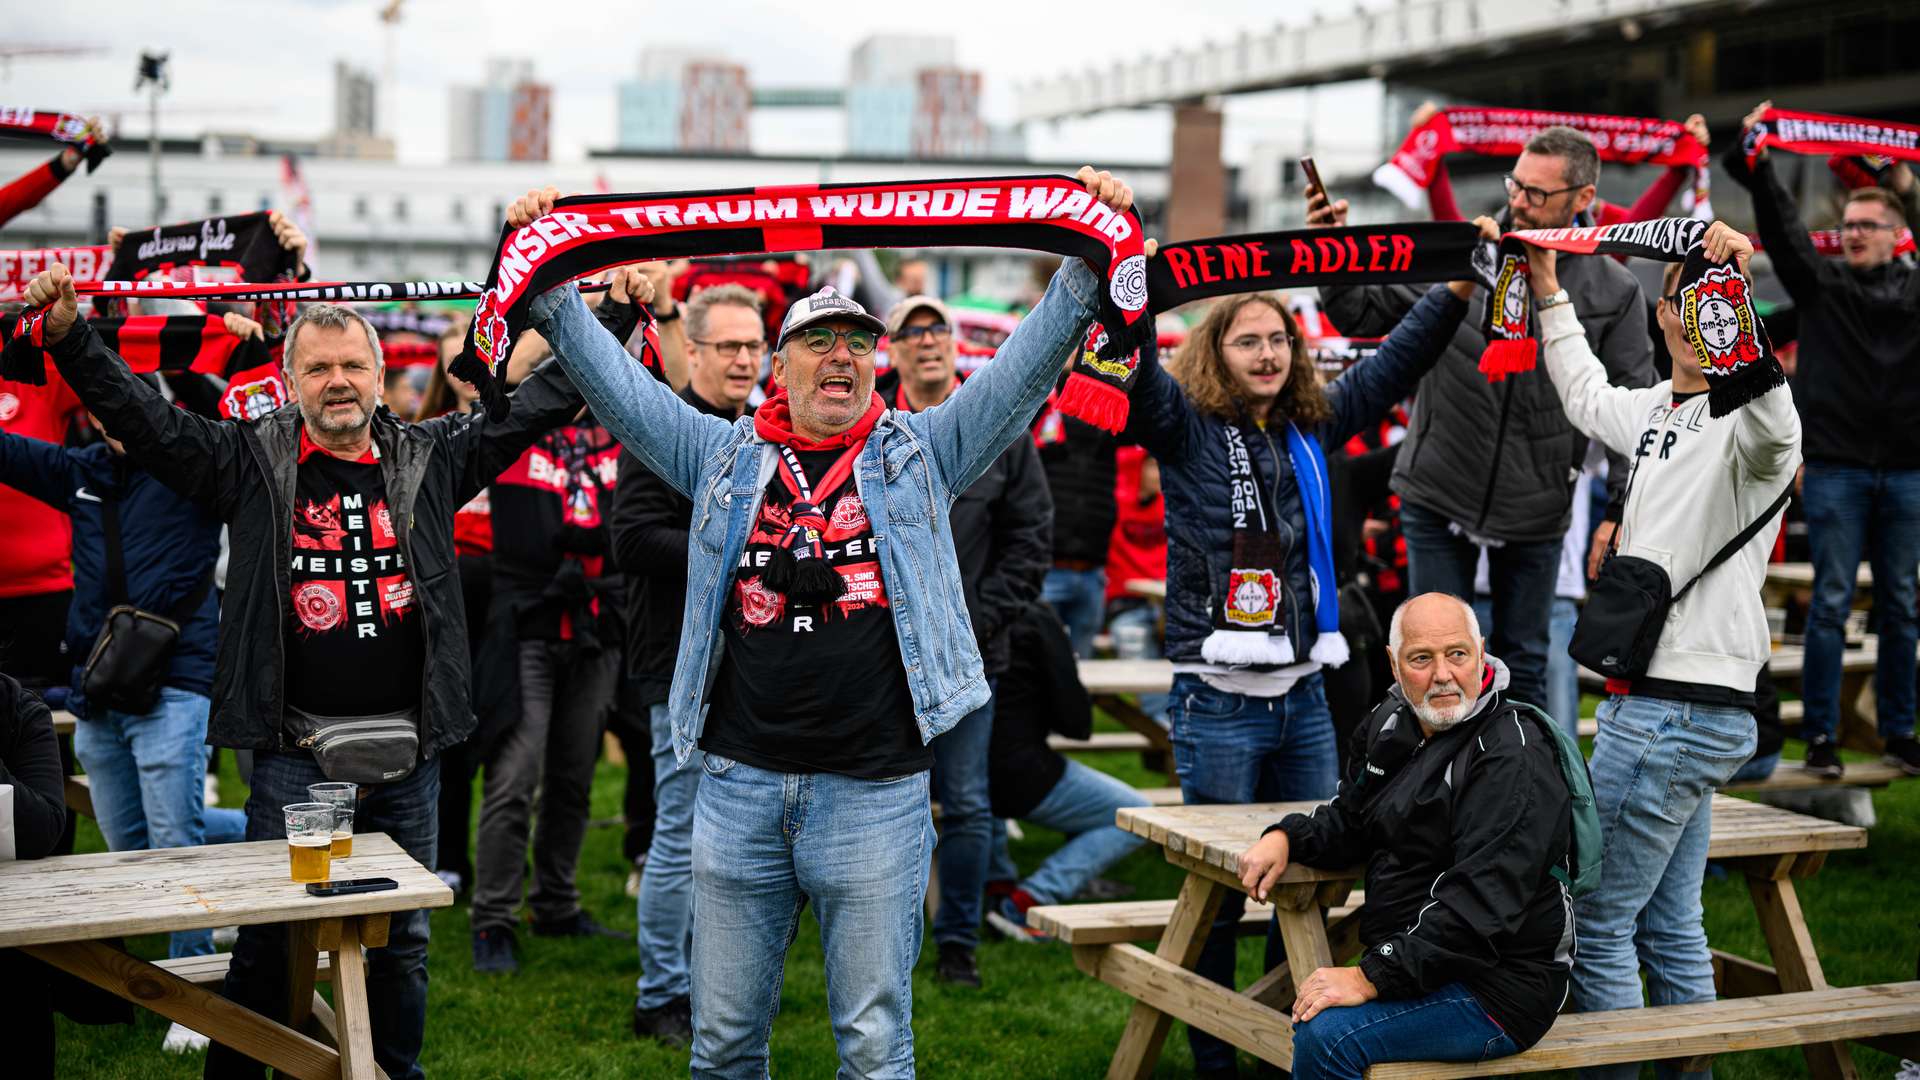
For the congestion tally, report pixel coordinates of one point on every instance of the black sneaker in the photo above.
(1904, 751)
(493, 952)
(579, 924)
(957, 966)
(1100, 888)
(671, 1023)
(1823, 759)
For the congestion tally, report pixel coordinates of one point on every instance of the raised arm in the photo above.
(1363, 393)
(39, 468)
(1803, 271)
(26, 192)
(1159, 416)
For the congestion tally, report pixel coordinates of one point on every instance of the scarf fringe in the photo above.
(1330, 650)
(1401, 186)
(1504, 358)
(1101, 404)
(469, 368)
(1246, 647)
(1745, 388)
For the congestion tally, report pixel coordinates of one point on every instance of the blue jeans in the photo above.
(1756, 769)
(1655, 765)
(966, 825)
(764, 845)
(1446, 1025)
(1522, 575)
(397, 974)
(666, 883)
(1081, 805)
(1853, 513)
(1079, 597)
(147, 775)
(1231, 748)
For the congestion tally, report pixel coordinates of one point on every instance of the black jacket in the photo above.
(244, 474)
(1003, 534)
(30, 761)
(1039, 694)
(1500, 459)
(1080, 473)
(1857, 385)
(1459, 835)
(648, 527)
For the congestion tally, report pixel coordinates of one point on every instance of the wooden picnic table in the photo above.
(61, 909)
(1772, 847)
(1148, 588)
(1112, 683)
(1784, 577)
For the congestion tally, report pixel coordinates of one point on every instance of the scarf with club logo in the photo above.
(239, 247)
(798, 566)
(1826, 133)
(17, 122)
(1716, 305)
(1249, 625)
(1630, 140)
(168, 344)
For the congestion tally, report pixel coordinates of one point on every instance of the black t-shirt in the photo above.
(353, 640)
(815, 689)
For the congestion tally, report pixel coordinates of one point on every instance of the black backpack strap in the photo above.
(1740, 540)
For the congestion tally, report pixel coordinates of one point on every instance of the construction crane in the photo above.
(33, 50)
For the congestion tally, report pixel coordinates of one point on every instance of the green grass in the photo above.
(566, 1015)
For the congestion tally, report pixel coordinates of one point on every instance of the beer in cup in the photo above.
(310, 840)
(343, 798)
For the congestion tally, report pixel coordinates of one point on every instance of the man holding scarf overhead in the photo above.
(1239, 428)
(826, 642)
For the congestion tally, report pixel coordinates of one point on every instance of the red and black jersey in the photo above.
(548, 525)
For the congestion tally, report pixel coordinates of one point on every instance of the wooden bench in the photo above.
(1156, 796)
(1145, 920)
(212, 968)
(1103, 741)
(63, 722)
(1113, 684)
(1789, 776)
(79, 794)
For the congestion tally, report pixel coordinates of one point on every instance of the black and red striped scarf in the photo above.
(1504, 133)
(239, 247)
(1827, 133)
(67, 129)
(168, 344)
(1716, 304)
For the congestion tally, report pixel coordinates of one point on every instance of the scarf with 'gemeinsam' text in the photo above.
(1716, 305)
(67, 129)
(1630, 140)
(1827, 133)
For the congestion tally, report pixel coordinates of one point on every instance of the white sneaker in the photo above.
(449, 878)
(633, 885)
(213, 790)
(1909, 1070)
(225, 936)
(182, 1039)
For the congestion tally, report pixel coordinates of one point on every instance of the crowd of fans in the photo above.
(810, 595)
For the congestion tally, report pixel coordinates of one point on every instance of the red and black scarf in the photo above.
(87, 264)
(1630, 140)
(168, 344)
(1716, 305)
(17, 122)
(798, 567)
(240, 247)
(1826, 133)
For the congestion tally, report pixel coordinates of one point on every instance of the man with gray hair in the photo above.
(339, 606)
(1490, 464)
(1455, 801)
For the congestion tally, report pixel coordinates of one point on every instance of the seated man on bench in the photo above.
(1455, 801)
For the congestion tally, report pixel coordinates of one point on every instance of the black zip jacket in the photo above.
(244, 473)
(1459, 834)
(30, 761)
(1858, 382)
(648, 527)
(1080, 474)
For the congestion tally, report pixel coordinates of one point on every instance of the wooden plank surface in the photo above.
(1128, 741)
(1150, 588)
(1142, 920)
(124, 893)
(1126, 676)
(1217, 835)
(1790, 776)
(1799, 575)
(63, 722)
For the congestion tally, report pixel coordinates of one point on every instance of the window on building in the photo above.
(400, 209)
(360, 207)
(213, 205)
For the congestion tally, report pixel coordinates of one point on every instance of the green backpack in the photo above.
(1583, 853)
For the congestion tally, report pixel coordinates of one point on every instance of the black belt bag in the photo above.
(359, 749)
(129, 661)
(1627, 605)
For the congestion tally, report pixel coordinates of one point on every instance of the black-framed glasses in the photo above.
(1250, 343)
(1868, 227)
(1536, 197)
(735, 348)
(821, 340)
(915, 333)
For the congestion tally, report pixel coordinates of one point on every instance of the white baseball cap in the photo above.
(822, 306)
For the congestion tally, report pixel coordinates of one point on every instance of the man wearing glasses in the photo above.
(1493, 464)
(727, 339)
(825, 643)
(1003, 533)
(1858, 388)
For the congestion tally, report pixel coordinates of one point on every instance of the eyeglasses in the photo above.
(735, 348)
(1864, 226)
(1672, 299)
(1251, 343)
(1536, 197)
(822, 339)
(915, 333)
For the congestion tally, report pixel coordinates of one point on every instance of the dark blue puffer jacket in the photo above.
(167, 546)
(1190, 447)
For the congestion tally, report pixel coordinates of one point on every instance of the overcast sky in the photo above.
(266, 67)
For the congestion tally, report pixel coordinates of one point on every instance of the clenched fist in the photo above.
(54, 285)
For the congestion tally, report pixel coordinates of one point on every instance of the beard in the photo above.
(1443, 717)
(320, 418)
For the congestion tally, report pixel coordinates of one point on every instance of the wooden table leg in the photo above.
(286, 1050)
(1795, 961)
(354, 1026)
(1160, 757)
(1859, 727)
(303, 956)
(1186, 934)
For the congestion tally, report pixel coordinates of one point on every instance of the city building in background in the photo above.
(685, 101)
(908, 98)
(355, 132)
(506, 118)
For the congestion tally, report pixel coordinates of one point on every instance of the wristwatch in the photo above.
(1552, 300)
(669, 316)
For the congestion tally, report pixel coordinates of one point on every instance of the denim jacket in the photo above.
(912, 468)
